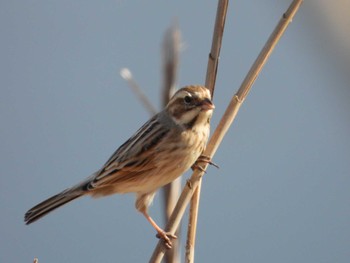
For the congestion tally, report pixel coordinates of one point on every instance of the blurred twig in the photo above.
(170, 58)
(212, 68)
(126, 74)
(225, 122)
(170, 54)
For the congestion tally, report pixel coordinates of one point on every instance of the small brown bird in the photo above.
(159, 152)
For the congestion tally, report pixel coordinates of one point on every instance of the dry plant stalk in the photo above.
(171, 191)
(170, 53)
(212, 69)
(225, 123)
(126, 74)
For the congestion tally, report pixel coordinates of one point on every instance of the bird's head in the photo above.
(191, 105)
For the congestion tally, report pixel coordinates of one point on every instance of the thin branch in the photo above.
(171, 191)
(214, 54)
(212, 69)
(224, 124)
(170, 55)
(126, 74)
(192, 225)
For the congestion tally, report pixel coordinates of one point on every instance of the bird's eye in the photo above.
(188, 99)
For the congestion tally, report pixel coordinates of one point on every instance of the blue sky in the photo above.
(282, 191)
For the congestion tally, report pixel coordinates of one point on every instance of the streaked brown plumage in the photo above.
(159, 152)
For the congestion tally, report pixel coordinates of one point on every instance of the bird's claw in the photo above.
(166, 236)
(203, 159)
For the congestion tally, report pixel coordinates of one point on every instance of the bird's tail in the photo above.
(52, 203)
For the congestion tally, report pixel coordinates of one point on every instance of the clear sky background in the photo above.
(282, 191)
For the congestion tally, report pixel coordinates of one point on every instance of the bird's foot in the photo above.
(166, 236)
(203, 159)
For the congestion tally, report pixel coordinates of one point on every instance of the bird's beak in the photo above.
(206, 105)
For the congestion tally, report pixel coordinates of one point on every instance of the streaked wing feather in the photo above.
(133, 157)
(133, 145)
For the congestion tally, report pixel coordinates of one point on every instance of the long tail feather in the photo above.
(51, 204)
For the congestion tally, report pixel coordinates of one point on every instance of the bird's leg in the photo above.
(166, 236)
(203, 159)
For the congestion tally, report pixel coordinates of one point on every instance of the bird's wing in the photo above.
(136, 156)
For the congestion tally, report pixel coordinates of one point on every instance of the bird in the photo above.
(163, 148)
